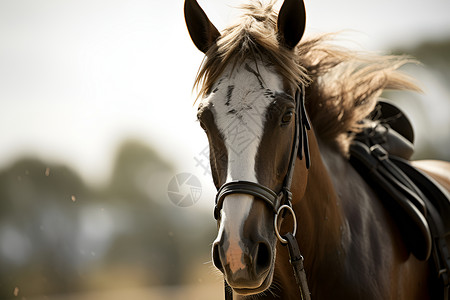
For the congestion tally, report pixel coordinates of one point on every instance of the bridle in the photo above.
(281, 201)
(284, 197)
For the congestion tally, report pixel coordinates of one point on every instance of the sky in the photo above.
(77, 77)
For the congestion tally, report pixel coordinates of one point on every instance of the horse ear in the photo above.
(291, 22)
(202, 31)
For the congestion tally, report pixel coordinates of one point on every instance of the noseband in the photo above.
(281, 200)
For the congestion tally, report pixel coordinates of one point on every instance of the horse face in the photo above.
(249, 120)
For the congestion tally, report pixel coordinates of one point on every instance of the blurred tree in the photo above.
(149, 247)
(38, 210)
(61, 235)
(429, 110)
(435, 55)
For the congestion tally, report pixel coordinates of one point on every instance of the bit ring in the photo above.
(275, 223)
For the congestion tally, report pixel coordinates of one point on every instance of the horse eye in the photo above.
(287, 117)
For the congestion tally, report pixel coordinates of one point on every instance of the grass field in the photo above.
(191, 292)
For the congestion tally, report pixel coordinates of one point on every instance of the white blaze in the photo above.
(240, 101)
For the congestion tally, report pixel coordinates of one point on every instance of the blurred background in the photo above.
(100, 153)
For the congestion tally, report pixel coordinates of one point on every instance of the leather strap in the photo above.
(228, 290)
(250, 188)
(434, 203)
(304, 126)
(382, 171)
(296, 260)
(394, 175)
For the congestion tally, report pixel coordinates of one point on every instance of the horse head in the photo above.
(249, 111)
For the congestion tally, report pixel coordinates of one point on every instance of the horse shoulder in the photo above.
(368, 235)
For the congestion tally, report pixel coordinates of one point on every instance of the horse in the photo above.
(254, 77)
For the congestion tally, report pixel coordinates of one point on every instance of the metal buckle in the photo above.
(443, 275)
(379, 152)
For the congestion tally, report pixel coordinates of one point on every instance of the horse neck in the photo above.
(320, 220)
(319, 211)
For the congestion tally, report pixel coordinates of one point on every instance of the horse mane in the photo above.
(342, 85)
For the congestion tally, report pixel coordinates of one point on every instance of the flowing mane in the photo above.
(342, 86)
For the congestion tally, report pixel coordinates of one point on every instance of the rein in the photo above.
(278, 201)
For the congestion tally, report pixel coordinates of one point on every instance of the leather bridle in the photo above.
(284, 196)
(281, 200)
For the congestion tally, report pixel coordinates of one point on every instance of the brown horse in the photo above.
(248, 83)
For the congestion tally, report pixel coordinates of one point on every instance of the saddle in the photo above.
(418, 204)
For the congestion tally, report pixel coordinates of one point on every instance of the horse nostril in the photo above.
(216, 257)
(263, 257)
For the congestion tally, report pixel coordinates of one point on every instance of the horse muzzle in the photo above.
(244, 250)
